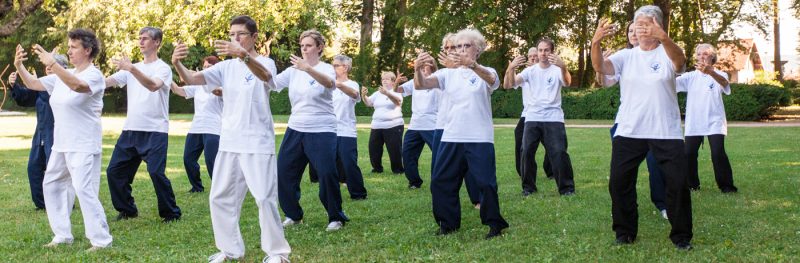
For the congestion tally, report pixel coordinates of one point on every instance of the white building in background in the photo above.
(739, 59)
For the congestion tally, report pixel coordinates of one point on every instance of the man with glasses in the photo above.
(246, 156)
(144, 136)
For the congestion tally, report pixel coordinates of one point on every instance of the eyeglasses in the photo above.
(449, 47)
(239, 34)
(463, 46)
(338, 65)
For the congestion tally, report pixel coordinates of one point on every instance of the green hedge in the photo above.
(746, 102)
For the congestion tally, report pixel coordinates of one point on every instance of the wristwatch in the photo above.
(474, 64)
(246, 58)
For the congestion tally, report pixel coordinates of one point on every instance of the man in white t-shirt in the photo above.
(246, 157)
(311, 135)
(705, 116)
(544, 118)
(424, 107)
(76, 96)
(468, 138)
(144, 136)
(650, 121)
(203, 136)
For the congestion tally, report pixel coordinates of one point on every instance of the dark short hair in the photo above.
(154, 32)
(248, 23)
(88, 40)
(548, 41)
(211, 60)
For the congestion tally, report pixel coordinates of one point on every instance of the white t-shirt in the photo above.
(470, 102)
(424, 105)
(207, 110)
(386, 114)
(705, 112)
(77, 115)
(649, 109)
(312, 103)
(442, 112)
(345, 109)
(147, 110)
(544, 93)
(246, 117)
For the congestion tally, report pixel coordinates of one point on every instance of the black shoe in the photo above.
(684, 245)
(494, 232)
(170, 219)
(39, 209)
(444, 231)
(526, 193)
(377, 171)
(358, 198)
(568, 193)
(624, 240)
(124, 216)
(729, 190)
(551, 177)
(695, 188)
(411, 186)
(196, 190)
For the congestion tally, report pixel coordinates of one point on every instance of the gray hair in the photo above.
(473, 36)
(346, 60)
(532, 49)
(447, 38)
(61, 60)
(710, 48)
(155, 33)
(650, 11)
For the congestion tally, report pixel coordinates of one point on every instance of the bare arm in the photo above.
(347, 90)
(31, 82)
(151, 84)
(399, 79)
(511, 80)
(189, 77)
(72, 81)
(302, 65)
(365, 96)
(599, 63)
(421, 82)
(394, 98)
(178, 90)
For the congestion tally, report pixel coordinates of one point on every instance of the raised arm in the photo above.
(674, 52)
(232, 48)
(188, 76)
(69, 79)
(511, 80)
(399, 79)
(599, 63)
(178, 90)
(420, 81)
(397, 100)
(301, 64)
(365, 97)
(556, 60)
(347, 90)
(124, 63)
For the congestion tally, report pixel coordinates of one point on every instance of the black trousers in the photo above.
(722, 166)
(554, 137)
(626, 155)
(393, 139)
(518, 132)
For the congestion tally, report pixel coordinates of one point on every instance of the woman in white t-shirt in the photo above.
(76, 96)
(705, 116)
(468, 136)
(387, 124)
(650, 121)
(203, 136)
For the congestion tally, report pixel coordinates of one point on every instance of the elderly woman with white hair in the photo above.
(705, 116)
(468, 138)
(387, 124)
(345, 98)
(650, 122)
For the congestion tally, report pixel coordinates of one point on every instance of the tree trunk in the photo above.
(400, 40)
(630, 9)
(776, 20)
(367, 12)
(10, 26)
(666, 8)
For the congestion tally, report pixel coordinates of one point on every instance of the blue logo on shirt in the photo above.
(550, 81)
(473, 80)
(655, 66)
(312, 82)
(711, 86)
(248, 78)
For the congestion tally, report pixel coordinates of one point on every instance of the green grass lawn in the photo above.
(759, 224)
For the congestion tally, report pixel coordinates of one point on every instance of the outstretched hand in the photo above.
(181, 51)
(518, 62)
(44, 56)
(20, 56)
(400, 78)
(300, 63)
(556, 60)
(650, 30)
(604, 29)
(229, 48)
(123, 63)
(705, 66)
(12, 78)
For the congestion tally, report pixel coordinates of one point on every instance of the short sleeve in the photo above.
(496, 79)
(330, 73)
(213, 75)
(95, 80)
(164, 74)
(281, 81)
(190, 91)
(441, 77)
(618, 60)
(273, 71)
(408, 88)
(727, 88)
(49, 82)
(682, 82)
(121, 77)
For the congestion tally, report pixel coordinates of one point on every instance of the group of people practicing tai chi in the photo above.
(451, 113)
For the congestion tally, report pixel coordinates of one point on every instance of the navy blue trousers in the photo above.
(197, 143)
(472, 190)
(658, 193)
(347, 167)
(299, 149)
(37, 163)
(413, 142)
(132, 148)
(450, 169)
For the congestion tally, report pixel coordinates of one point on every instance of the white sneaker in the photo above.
(335, 225)
(219, 257)
(664, 214)
(275, 259)
(96, 248)
(56, 243)
(290, 222)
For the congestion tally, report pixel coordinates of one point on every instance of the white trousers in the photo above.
(79, 171)
(234, 174)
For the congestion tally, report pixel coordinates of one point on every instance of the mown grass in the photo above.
(759, 224)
